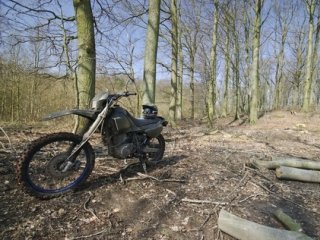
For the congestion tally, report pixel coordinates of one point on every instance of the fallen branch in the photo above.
(203, 201)
(9, 141)
(298, 174)
(287, 221)
(146, 176)
(246, 230)
(90, 210)
(288, 162)
(251, 196)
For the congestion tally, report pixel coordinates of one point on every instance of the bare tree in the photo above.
(254, 73)
(180, 70)
(211, 95)
(150, 58)
(86, 56)
(313, 42)
(191, 27)
(174, 63)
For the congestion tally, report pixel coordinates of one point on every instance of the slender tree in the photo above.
(192, 29)
(225, 102)
(86, 56)
(311, 54)
(180, 71)
(150, 55)
(254, 72)
(174, 63)
(211, 94)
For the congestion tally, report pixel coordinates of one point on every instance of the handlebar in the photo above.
(127, 94)
(124, 94)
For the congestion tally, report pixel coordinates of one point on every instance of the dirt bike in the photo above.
(57, 163)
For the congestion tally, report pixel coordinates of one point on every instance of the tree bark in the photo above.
(236, 72)
(277, 99)
(180, 72)
(245, 230)
(174, 63)
(288, 162)
(225, 103)
(298, 174)
(211, 94)
(150, 55)
(86, 57)
(309, 61)
(254, 74)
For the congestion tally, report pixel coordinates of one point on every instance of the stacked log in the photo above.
(298, 169)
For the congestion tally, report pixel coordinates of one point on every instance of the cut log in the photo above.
(287, 221)
(298, 174)
(246, 230)
(289, 162)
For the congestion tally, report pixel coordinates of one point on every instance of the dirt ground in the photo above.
(203, 172)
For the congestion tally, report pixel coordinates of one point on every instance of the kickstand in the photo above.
(143, 163)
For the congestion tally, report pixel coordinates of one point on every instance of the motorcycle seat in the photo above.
(140, 122)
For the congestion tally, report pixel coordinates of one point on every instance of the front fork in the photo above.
(69, 162)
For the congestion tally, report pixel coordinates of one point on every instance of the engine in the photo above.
(120, 146)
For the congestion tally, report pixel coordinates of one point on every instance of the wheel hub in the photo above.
(56, 165)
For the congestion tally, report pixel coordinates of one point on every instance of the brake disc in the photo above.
(56, 165)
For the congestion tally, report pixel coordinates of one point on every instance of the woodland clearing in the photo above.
(203, 171)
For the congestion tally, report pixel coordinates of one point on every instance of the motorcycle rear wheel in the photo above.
(160, 144)
(40, 170)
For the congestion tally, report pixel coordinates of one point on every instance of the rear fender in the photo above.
(89, 114)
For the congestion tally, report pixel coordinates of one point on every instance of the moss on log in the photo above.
(287, 221)
(246, 230)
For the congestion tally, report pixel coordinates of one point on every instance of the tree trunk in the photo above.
(298, 174)
(150, 55)
(248, 57)
(309, 60)
(86, 57)
(277, 99)
(254, 74)
(237, 73)
(211, 94)
(245, 230)
(180, 73)
(225, 103)
(174, 63)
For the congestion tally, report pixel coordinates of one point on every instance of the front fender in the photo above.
(90, 114)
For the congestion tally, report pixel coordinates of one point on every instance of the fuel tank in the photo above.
(119, 121)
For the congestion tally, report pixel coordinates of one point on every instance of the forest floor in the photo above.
(208, 166)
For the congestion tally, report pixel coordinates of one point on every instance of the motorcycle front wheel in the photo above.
(42, 169)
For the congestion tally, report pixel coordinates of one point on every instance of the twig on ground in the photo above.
(173, 193)
(197, 201)
(251, 196)
(6, 135)
(146, 176)
(121, 179)
(90, 210)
